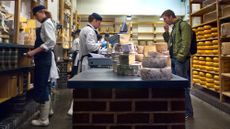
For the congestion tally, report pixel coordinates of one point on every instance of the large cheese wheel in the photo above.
(215, 51)
(202, 58)
(196, 81)
(210, 85)
(209, 68)
(207, 36)
(215, 46)
(209, 63)
(216, 59)
(207, 27)
(217, 82)
(216, 77)
(159, 62)
(156, 73)
(214, 34)
(202, 62)
(200, 28)
(216, 69)
(208, 75)
(195, 72)
(195, 58)
(216, 87)
(207, 31)
(216, 42)
(214, 29)
(209, 59)
(208, 43)
(209, 80)
(216, 64)
(202, 74)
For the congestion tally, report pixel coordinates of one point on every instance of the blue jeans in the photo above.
(183, 70)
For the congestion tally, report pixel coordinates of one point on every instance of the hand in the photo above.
(30, 53)
(166, 27)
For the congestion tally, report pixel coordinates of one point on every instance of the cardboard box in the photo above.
(225, 30)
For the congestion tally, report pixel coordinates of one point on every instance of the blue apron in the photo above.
(42, 71)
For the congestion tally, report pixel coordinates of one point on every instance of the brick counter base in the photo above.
(125, 108)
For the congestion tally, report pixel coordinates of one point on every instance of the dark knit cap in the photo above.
(97, 16)
(38, 8)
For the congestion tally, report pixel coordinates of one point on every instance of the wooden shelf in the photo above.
(11, 45)
(146, 39)
(196, 1)
(19, 69)
(3, 100)
(204, 10)
(158, 32)
(226, 74)
(206, 55)
(226, 93)
(211, 72)
(206, 23)
(4, 36)
(212, 89)
(207, 39)
(145, 32)
(225, 17)
(225, 56)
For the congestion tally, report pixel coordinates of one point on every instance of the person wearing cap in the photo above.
(43, 59)
(88, 40)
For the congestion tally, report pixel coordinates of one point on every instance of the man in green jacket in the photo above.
(179, 42)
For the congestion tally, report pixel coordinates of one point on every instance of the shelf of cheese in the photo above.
(206, 64)
(207, 80)
(212, 89)
(204, 10)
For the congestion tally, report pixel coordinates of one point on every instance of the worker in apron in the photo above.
(88, 41)
(43, 59)
(88, 44)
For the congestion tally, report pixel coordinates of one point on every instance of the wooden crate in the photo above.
(8, 87)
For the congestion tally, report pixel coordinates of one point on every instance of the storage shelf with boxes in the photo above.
(210, 66)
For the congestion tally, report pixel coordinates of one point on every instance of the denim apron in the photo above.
(42, 71)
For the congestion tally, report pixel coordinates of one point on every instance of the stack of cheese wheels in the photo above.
(209, 64)
(195, 63)
(202, 78)
(216, 64)
(216, 82)
(196, 77)
(209, 80)
(140, 53)
(202, 62)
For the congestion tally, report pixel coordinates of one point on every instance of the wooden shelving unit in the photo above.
(223, 60)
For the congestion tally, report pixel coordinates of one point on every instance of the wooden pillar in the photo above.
(61, 16)
(17, 11)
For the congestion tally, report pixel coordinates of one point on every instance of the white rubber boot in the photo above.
(44, 115)
(70, 112)
(51, 113)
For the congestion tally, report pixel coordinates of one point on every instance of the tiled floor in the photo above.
(206, 116)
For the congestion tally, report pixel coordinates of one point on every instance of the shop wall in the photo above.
(130, 7)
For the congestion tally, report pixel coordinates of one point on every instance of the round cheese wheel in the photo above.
(202, 58)
(215, 46)
(217, 83)
(200, 28)
(214, 29)
(210, 85)
(195, 72)
(215, 42)
(201, 74)
(202, 63)
(216, 69)
(207, 27)
(208, 63)
(208, 59)
(216, 64)
(208, 43)
(215, 51)
(216, 77)
(208, 75)
(217, 88)
(216, 59)
(214, 34)
(207, 36)
(207, 32)
(202, 82)
(195, 58)
(196, 76)
(209, 80)
(209, 68)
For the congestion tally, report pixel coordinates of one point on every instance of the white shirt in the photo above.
(48, 35)
(76, 45)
